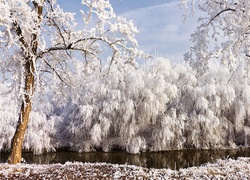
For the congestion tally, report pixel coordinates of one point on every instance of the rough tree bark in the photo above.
(17, 141)
(29, 82)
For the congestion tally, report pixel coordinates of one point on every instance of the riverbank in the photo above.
(223, 169)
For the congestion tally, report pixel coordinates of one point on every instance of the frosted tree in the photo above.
(40, 42)
(222, 33)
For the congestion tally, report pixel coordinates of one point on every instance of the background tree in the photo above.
(39, 41)
(222, 33)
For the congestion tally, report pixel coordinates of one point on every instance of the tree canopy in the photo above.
(60, 42)
(222, 33)
(39, 41)
(80, 87)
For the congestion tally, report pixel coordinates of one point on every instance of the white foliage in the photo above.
(109, 101)
(8, 112)
(96, 134)
(65, 58)
(222, 33)
(136, 145)
(201, 104)
(240, 116)
(138, 109)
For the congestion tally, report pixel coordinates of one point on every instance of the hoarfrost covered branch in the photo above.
(90, 94)
(167, 107)
(222, 33)
(40, 44)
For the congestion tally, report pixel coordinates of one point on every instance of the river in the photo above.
(167, 159)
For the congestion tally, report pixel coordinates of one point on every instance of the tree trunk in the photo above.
(17, 141)
(29, 82)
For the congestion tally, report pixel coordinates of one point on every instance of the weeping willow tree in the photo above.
(222, 39)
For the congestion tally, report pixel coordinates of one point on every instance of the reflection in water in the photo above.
(167, 159)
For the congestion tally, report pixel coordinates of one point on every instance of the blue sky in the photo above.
(160, 22)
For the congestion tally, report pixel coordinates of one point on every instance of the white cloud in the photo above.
(171, 28)
(162, 29)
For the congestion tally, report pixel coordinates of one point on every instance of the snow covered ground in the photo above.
(222, 169)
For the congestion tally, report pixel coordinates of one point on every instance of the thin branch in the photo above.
(112, 60)
(70, 46)
(57, 74)
(59, 48)
(218, 14)
(59, 30)
(20, 34)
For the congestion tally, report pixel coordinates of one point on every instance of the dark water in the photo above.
(167, 159)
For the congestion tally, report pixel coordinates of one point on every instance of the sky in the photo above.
(160, 22)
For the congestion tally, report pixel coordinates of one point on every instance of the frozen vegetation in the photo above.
(87, 91)
(156, 106)
(222, 169)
